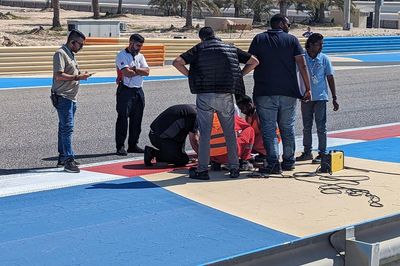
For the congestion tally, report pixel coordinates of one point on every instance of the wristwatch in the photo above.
(334, 97)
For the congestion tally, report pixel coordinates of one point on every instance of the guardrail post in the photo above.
(346, 12)
(377, 15)
(358, 253)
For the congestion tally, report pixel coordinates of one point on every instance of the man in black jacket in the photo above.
(168, 134)
(215, 76)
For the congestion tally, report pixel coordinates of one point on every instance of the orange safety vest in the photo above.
(217, 141)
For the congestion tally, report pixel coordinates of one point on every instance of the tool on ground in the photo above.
(332, 162)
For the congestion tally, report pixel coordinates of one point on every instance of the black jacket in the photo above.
(216, 70)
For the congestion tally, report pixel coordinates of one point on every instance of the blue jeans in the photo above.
(66, 114)
(281, 110)
(309, 111)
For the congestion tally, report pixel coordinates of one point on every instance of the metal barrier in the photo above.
(371, 243)
(28, 60)
(100, 53)
(361, 44)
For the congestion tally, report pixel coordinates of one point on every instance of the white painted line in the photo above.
(41, 182)
(362, 128)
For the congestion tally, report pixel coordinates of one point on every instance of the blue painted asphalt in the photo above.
(371, 57)
(386, 150)
(123, 222)
(21, 82)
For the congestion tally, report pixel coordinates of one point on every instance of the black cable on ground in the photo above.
(339, 185)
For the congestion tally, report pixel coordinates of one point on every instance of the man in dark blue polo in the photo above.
(276, 90)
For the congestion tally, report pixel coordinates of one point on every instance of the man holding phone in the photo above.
(66, 77)
(131, 67)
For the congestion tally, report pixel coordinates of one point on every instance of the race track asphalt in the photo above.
(28, 124)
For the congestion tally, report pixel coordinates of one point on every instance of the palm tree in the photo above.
(238, 5)
(189, 14)
(169, 7)
(56, 15)
(283, 7)
(259, 7)
(96, 9)
(119, 10)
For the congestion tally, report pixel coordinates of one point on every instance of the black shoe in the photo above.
(71, 167)
(245, 165)
(215, 166)
(121, 152)
(274, 169)
(148, 155)
(61, 164)
(260, 158)
(135, 149)
(287, 167)
(198, 175)
(305, 156)
(234, 173)
(317, 160)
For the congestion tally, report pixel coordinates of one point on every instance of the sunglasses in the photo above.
(80, 43)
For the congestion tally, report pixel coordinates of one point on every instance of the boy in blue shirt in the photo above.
(320, 70)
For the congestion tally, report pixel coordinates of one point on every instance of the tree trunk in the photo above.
(257, 16)
(283, 8)
(322, 12)
(119, 10)
(237, 11)
(96, 9)
(56, 14)
(189, 15)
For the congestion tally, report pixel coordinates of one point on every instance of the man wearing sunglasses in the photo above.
(66, 77)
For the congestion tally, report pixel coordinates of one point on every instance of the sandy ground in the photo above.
(31, 27)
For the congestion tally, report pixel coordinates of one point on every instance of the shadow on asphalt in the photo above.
(82, 156)
(24, 170)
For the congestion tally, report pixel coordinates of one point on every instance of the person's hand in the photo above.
(84, 76)
(335, 105)
(307, 96)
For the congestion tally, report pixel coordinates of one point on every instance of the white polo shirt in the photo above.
(124, 60)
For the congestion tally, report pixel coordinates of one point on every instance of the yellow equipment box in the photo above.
(332, 162)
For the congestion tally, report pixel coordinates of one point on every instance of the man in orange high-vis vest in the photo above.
(244, 137)
(248, 108)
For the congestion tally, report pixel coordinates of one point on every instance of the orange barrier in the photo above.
(154, 54)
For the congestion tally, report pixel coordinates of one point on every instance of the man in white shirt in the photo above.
(131, 67)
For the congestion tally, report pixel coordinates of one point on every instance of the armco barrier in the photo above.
(174, 47)
(361, 44)
(100, 53)
(28, 60)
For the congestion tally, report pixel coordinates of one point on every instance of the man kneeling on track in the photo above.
(168, 134)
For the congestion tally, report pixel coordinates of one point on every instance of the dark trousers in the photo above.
(169, 150)
(130, 105)
(310, 111)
